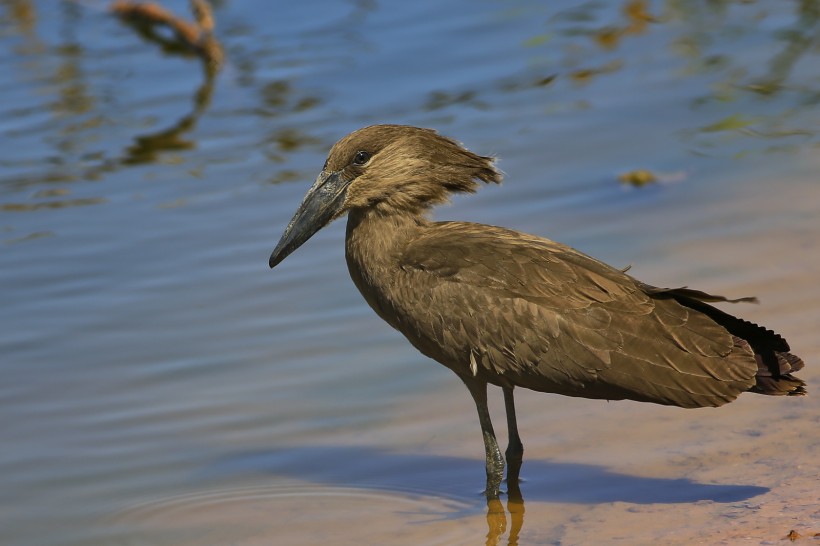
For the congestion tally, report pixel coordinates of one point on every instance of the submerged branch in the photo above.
(196, 36)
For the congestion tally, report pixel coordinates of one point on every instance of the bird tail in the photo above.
(780, 382)
(775, 364)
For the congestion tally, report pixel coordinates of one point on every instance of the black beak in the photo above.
(322, 204)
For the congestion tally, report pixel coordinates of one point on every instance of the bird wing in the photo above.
(544, 316)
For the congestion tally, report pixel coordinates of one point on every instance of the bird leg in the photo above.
(494, 459)
(515, 449)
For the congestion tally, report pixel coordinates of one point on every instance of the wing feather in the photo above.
(544, 316)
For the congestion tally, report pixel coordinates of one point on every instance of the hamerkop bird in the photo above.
(505, 308)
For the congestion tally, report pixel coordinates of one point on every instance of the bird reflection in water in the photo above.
(496, 515)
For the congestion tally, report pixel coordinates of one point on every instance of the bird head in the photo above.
(390, 169)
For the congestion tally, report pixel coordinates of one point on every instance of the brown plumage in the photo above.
(505, 308)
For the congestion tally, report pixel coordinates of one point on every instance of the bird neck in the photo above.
(373, 246)
(374, 239)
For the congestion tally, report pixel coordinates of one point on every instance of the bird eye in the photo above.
(361, 158)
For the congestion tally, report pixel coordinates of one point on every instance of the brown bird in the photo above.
(505, 308)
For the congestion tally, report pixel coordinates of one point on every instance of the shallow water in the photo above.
(162, 386)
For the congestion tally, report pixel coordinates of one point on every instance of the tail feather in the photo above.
(775, 363)
(785, 385)
(782, 383)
